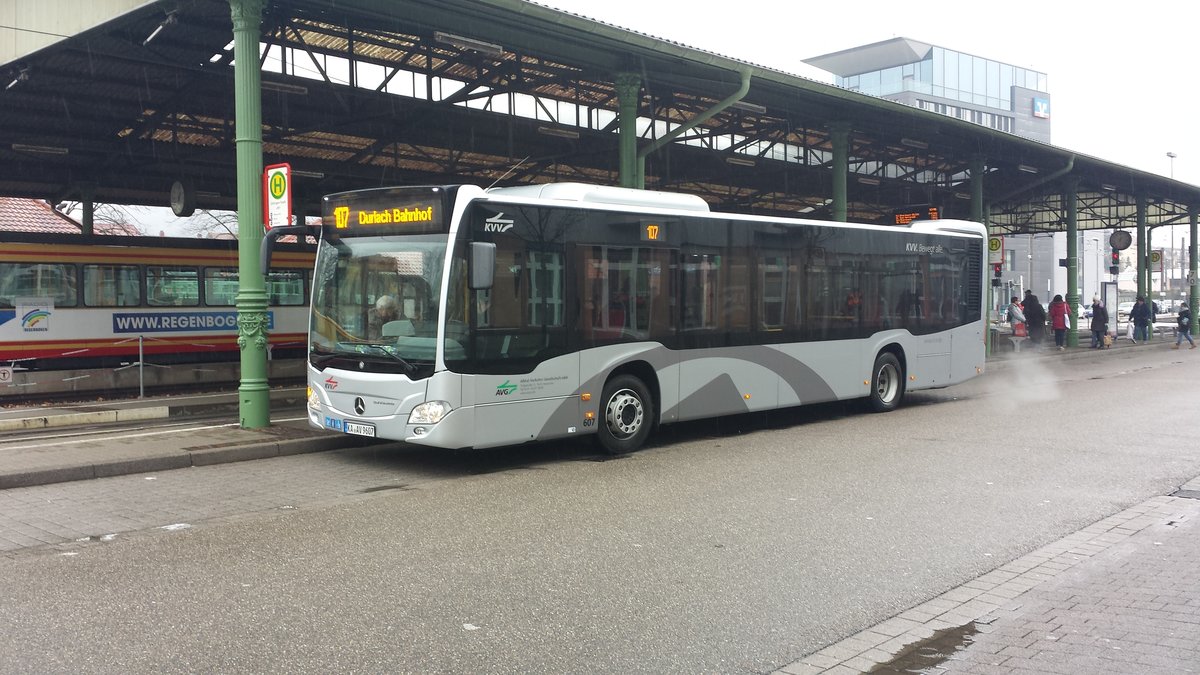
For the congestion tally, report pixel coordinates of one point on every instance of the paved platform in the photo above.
(51, 444)
(1119, 596)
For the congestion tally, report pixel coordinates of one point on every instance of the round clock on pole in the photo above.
(183, 199)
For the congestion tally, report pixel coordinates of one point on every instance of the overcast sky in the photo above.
(1121, 75)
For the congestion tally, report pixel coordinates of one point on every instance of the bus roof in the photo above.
(604, 194)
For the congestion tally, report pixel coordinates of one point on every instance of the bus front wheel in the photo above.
(626, 415)
(887, 383)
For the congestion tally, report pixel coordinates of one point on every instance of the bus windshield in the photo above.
(375, 299)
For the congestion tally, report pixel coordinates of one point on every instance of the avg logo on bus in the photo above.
(505, 389)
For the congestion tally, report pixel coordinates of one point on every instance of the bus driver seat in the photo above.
(398, 328)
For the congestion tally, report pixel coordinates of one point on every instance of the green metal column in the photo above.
(992, 290)
(839, 134)
(254, 394)
(977, 169)
(1142, 233)
(1193, 214)
(662, 141)
(1071, 199)
(629, 89)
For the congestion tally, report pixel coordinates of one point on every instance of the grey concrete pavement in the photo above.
(1119, 596)
(50, 444)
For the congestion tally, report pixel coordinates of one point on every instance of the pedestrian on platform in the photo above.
(1035, 320)
(1183, 327)
(1059, 321)
(1099, 323)
(1140, 316)
(1015, 313)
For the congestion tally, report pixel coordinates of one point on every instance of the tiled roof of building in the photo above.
(33, 215)
(36, 215)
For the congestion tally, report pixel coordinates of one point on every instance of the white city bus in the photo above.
(541, 312)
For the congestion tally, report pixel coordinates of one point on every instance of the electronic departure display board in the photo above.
(908, 214)
(397, 210)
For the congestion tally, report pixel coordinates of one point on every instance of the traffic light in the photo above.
(997, 268)
(1115, 266)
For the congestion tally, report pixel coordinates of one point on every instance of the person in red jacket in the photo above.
(1059, 321)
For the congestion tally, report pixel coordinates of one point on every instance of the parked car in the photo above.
(1124, 308)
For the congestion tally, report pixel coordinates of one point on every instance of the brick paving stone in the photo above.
(1119, 596)
(800, 669)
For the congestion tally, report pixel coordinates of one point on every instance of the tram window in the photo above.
(172, 286)
(111, 286)
(55, 281)
(286, 287)
(220, 286)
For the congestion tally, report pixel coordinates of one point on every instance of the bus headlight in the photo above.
(314, 401)
(429, 412)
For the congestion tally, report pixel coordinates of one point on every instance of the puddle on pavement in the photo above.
(923, 656)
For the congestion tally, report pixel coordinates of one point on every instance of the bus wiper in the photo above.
(379, 347)
(319, 357)
(319, 360)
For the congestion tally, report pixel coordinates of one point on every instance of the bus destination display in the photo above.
(371, 212)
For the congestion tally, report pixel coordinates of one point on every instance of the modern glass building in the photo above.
(979, 90)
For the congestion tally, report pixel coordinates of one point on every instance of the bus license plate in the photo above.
(359, 429)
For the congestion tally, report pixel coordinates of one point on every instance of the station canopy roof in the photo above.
(366, 93)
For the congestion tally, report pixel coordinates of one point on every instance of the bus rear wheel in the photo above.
(626, 415)
(887, 383)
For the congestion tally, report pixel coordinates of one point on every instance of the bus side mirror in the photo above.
(483, 265)
(268, 244)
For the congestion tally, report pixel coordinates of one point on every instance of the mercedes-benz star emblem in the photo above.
(360, 406)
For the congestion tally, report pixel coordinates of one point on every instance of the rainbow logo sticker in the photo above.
(36, 320)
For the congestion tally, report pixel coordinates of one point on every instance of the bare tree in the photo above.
(106, 218)
(212, 224)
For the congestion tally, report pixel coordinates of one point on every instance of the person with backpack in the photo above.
(1141, 318)
(1183, 327)
(1035, 320)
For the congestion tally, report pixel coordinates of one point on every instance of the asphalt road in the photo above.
(724, 547)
